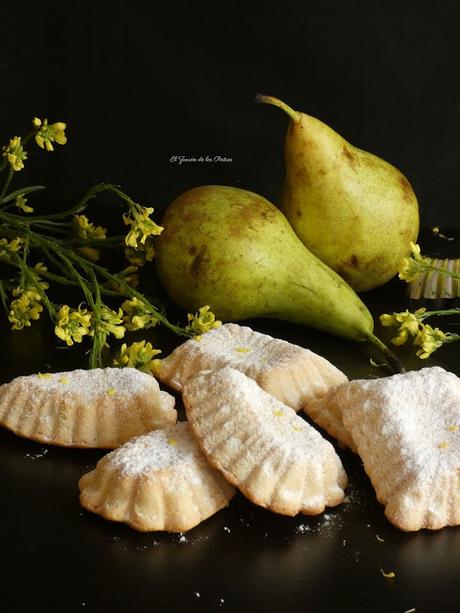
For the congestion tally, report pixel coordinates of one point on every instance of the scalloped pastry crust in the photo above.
(85, 408)
(272, 455)
(406, 428)
(290, 373)
(157, 481)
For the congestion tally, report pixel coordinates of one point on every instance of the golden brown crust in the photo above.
(260, 445)
(156, 482)
(100, 408)
(290, 373)
(406, 429)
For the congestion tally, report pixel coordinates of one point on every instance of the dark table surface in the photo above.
(57, 557)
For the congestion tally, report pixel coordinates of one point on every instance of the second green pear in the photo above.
(353, 210)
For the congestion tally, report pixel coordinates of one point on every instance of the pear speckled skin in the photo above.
(235, 251)
(353, 210)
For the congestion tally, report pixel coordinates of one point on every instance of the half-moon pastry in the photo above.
(157, 481)
(103, 407)
(406, 428)
(292, 374)
(262, 446)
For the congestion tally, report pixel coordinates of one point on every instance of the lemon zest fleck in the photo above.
(44, 375)
(242, 349)
(390, 575)
(172, 441)
(111, 391)
(278, 412)
(443, 445)
(453, 428)
(64, 380)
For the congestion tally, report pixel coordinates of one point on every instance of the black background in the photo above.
(138, 82)
(141, 81)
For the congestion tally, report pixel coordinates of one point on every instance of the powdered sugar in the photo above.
(90, 384)
(263, 413)
(262, 445)
(407, 432)
(242, 348)
(289, 372)
(170, 447)
(85, 408)
(419, 412)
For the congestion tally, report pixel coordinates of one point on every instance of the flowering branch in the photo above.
(410, 324)
(66, 248)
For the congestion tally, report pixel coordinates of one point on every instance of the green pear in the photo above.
(353, 210)
(235, 251)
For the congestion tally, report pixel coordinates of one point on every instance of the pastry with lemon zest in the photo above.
(401, 428)
(292, 374)
(272, 455)
(157, 481)
(103, 407)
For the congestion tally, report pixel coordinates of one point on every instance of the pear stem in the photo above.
(294, 115)
(394, 363)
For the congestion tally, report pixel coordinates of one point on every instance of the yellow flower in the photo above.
(48, 134)
(40, 268)
(203, 321)
(86, 230)
(141, 226)
(72, 324)
(111, 322)
(25, 308)
(138, 355)
(14, 153)
(413, 265)
(138, 316)
(408, 324)
(388, 320)
(8, 247)
(20, 202)
(430, 339)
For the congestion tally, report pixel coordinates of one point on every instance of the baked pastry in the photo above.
(406, 428)
(326, 412)
(260, 445)
(292, 374)
(85, 408)
(157, 481)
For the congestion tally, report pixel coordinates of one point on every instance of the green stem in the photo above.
(4, 298)
(95, 359)
(441, 312)
(441, 271)
(22, 191)
(294, 115)
(7, 183)
(81, 204)
(394, 363)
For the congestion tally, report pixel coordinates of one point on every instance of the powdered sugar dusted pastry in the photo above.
(406, 429)
(259, 444)
(158, 481)
(326, 411)
(85, 408)
(290, 373)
